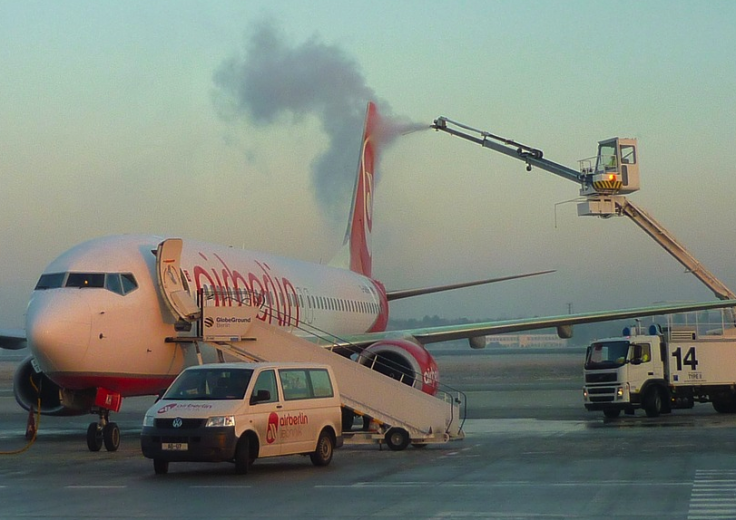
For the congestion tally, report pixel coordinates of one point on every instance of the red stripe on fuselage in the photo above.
(126, 385)
(382, 319)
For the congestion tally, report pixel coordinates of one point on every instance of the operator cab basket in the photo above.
(616, 169)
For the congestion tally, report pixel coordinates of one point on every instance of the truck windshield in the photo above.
(210, 384)
(606, 354)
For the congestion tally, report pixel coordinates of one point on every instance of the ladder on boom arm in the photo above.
(655, 230)
(604, 181)
(400, 413)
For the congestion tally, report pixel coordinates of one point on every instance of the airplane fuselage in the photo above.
(98, 306)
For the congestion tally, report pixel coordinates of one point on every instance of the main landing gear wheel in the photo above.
(94, 437)
(104, 433)
(397, 439)
(111, 436)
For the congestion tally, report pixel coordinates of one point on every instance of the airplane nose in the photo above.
(58, 328)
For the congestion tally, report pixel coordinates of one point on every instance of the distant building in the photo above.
(526, 340)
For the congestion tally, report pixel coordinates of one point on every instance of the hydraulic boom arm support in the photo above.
(602, 179)
(655, 230)
(531, 156)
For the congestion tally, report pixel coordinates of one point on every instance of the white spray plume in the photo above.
(273, 78)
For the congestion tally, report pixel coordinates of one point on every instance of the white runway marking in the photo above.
(713, 495)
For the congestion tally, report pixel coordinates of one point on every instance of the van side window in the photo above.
(306, 384)
(295, 384)
(267, 381)
(321, 383)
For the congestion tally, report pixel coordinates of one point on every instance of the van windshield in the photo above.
(210, 384)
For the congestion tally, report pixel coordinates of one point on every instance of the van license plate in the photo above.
(175, 446)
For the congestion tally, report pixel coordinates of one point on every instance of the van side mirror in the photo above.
(260, 396)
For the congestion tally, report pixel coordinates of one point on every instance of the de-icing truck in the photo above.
(661, 369)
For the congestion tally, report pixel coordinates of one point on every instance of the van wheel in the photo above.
(397, 439)
(160, 467)
(653, 402)
(243, 458)
(325, 448)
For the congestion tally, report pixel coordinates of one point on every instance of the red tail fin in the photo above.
(358, 235)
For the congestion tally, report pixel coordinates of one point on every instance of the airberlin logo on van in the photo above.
(291, 425)
(273, 428)
(167, 408)
(183, 406)
(294, 420)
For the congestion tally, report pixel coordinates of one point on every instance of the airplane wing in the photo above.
(408, 293)
(472, 330)
(12, 339)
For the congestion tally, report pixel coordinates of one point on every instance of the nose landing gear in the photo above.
(103, 432)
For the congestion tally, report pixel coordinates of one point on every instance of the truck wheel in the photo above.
(724, 405)
(612, 413)
(653, 402)
(325, 448)
(243, 457)
(397, 439)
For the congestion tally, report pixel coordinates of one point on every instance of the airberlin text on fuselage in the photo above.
(279, 293)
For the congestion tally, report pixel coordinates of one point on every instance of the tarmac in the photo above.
(531, 452)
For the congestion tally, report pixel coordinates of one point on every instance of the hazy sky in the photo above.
(127, 117)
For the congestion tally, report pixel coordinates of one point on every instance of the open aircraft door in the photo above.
(171, 283)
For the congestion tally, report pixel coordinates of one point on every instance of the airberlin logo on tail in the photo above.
(362, 226)
(367, 167)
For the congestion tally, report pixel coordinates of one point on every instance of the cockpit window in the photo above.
(119, 283)
(112, 283)
(85, 280)
(51, 281)
(129, 283)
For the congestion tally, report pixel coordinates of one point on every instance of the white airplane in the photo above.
(97, 323)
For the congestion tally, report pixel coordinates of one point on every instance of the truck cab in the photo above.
(238, 412)
(626, 373)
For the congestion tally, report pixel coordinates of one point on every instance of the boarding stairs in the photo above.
(388, 402)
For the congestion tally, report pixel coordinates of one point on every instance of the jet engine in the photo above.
(28, 384)
(405, 361)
